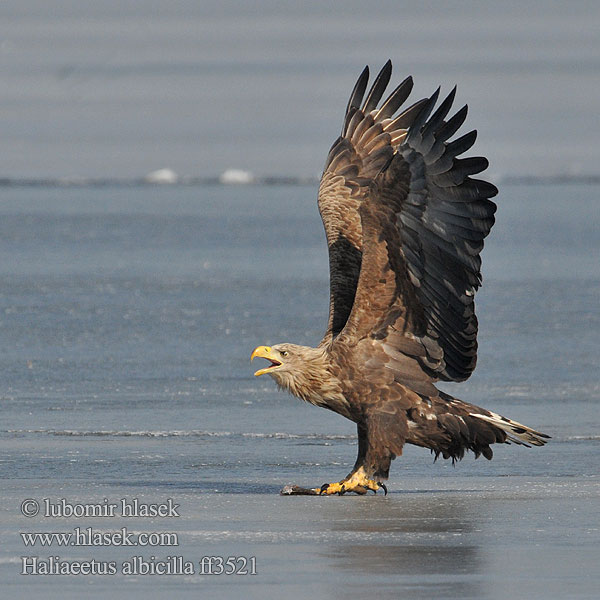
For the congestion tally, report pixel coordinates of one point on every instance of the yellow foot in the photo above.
(327, 489)
(356, 482)
(342, 487)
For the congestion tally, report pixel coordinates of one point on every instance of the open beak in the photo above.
(265, 352)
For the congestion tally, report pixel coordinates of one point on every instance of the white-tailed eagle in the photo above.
(405, 224)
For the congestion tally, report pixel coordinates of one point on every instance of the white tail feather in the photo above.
(516, 432)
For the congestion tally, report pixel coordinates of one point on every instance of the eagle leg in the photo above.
(361, 479)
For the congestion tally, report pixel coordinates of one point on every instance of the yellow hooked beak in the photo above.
(265, 352)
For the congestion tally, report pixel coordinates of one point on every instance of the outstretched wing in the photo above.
(355, 159)
(423, 222)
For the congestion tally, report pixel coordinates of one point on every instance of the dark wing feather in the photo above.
(365, 147)
(423, 221)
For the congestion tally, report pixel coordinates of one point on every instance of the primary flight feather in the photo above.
(405, 224)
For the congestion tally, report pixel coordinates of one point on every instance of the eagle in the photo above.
(405, 224)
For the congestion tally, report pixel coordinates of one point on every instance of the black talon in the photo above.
(381, 485)
(323, 488)
(342, 490)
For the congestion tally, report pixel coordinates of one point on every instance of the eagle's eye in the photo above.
(283, 353)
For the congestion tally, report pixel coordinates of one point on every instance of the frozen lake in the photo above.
(128, 315)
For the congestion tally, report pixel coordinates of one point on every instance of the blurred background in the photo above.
(120, 88)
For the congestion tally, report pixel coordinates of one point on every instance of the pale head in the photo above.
(304, 372)
(284, 358)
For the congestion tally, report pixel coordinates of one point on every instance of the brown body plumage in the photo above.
(405, 225)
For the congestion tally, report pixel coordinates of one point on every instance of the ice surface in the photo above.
(128, 316)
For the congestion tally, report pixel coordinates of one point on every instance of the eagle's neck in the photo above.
(312, 380)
